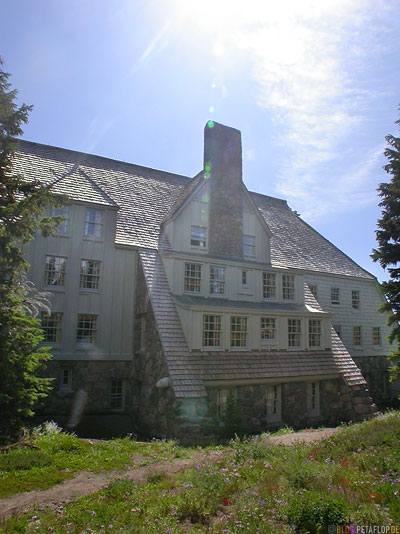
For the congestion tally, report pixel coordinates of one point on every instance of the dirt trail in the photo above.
(86, 482)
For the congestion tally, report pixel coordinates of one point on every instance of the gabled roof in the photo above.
(146, 197)
(194, 184)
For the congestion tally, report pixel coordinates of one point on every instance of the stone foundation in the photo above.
(375, 371)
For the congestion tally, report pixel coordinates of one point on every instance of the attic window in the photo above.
(93, 222)
(64, 226)
(249, 245)
(198, 236)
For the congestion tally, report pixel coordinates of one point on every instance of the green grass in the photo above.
(60, 455)
(353, 477)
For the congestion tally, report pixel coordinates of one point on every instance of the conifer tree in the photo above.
(21, 215)
(388, 250)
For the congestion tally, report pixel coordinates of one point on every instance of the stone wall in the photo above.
(375, 371)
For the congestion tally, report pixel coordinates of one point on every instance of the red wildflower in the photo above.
(344, 461)
(373, 496)
(276, 488)
(226, 501)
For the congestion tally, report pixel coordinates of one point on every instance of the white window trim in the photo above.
(217, 295)
(360, 345)
(199, 247)
(271, 417)
(254, 246)
(186, 291)
(269, 342)
(90, 237)
(123, 393)
(220, 347)
(294, 287)
(68, 386)
(315, 347)
(245, 348)
(274, 298)
(335, 302)
(297, 347)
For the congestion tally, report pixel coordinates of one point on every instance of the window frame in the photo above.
(97, 225)
(288, 289)
(374, 337)
(64, 228)
(92, 319)
(57, 328)
(95, 276)
(355, 299)
(335, 290)
(62, 273)
(65, 386)
(313, 398)
(266, 287)
(268, 341)
(251, 246)
(200, 238)
(195, 279)
(217, 282)
(245, 332)
(119, 395)
(357, 336)
(273, 403)
(299, 333)
(219, 331)
(314, 333)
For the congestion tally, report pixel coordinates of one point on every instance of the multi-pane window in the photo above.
(238, 331)
(338, 330)
(55, 271)
(90, 274)
(192, 281)
(313, 397)
(217, 280)
(65, 378)
(117, 394)
(314, 332)
(269, 286)
(244, 278)
(93, 222)
(273, 402)
(65, 211)
(51, 326)
(355, 299)
(198, 236)
(376, 335)
(249, 245)
(87, 328)
(313, 289)
(267, 329)
(222, 397)
(294, 332)
(212, 328)
(288, 287)
(357, 335)
(335, 295)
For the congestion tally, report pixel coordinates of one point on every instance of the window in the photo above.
(212, 327)
(64, 226)
(87, 328)
(338, 330)
(217, 280)
(288, 287)
(376, 335)
(244, 278)
(267, 329)
(55, 271)
(313, 290)
(90, 274)
(117, 394)
(294, 332)
(269, 286)
(313, 397)
(93, 222)
(192, 282)
(66, 378)
(51, 326)
(238, 331)
(356, 335)
(198, 236)
(314, 332)
(355, 299)
(273, 403)
(249, 245)
(222, 397)
(335, 295)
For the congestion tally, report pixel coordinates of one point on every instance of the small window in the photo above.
(267, 330)
(222, 397)
(192, 283)
(294, 332)
(288, 287)
(212, 328)
(117, 394)
(87, 328)
(376, 336)
(93, 222)
(66, 378)
(355, 299)
(335, 295)
(90, 274)
(238, 332)
(244, 278)
(313, 398)
(198, 236)
(314, 332)
(63, 229)
(338, 330)
(249, 245)
(273, 403)
(357, 335)
(217, 280)
(313, 289)
(55, 271)
(51, 326)
(269, 285)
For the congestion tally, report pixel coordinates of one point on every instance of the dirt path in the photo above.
(86, 482)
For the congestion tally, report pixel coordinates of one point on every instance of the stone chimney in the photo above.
(223, 163)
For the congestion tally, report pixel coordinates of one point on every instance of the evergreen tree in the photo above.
(21, 215)
(388, 251)
(232, 420)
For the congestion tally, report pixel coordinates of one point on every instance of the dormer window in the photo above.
(93, 222)
(198, 236)
(217, 280)
(269, 285)
(192, 282)
(63, 229)
(249, 245)
(288, 287)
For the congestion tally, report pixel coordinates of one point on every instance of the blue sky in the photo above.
(313, 86)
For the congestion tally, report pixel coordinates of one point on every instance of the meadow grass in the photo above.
(353, 477)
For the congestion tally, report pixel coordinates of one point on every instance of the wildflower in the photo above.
(268, 465)
(372, 496)
(226, 501)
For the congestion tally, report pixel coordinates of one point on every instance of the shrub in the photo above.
(313, 512)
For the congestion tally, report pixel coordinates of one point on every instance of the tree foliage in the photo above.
(388, 238)
(22, 203)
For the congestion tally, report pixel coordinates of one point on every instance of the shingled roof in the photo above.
(146, 197)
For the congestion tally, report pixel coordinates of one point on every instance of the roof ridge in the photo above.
(88, 177)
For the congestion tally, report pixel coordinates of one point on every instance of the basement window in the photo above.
(66, 379)
(117, 394)
(313, 398)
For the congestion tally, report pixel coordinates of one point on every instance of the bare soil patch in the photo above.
(303, 436)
